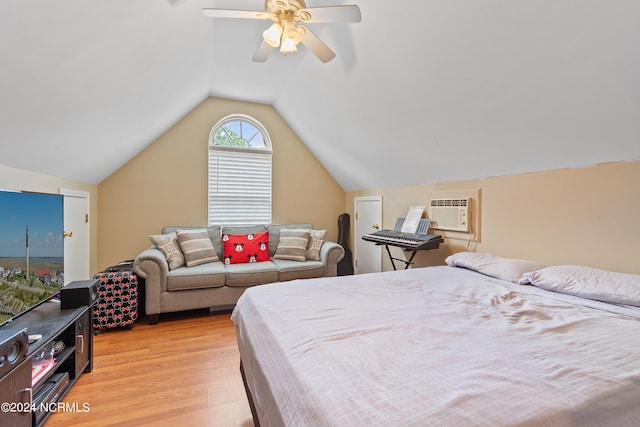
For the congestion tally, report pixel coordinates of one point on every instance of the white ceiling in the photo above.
(420, 90)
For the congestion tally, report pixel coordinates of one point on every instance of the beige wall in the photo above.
(166, 184)
(586, 216)
(583, 216)
(18, 179)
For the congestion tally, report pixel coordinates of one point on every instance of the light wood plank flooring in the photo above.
(182, 371)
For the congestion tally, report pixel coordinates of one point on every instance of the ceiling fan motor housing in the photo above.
(291, 7)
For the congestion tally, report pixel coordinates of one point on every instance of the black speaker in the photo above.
(13, 349)
(79, 293)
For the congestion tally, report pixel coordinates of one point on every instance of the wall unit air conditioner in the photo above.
(450, 214)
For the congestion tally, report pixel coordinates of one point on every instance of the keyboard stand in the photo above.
(407, 263)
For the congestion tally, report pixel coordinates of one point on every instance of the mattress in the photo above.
(436, 346)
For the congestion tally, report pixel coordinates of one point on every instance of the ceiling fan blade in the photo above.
(328, 14)
(232, 13)
(263, 52)
(316, 45)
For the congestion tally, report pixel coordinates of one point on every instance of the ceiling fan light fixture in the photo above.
(290, 38)
(288, 46)
(272, 35)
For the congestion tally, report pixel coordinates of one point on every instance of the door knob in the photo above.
(67, 234)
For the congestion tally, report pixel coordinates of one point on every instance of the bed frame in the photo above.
(254, 414)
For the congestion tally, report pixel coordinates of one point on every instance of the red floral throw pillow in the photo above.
(239, 248)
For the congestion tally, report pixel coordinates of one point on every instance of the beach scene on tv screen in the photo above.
(31, 250)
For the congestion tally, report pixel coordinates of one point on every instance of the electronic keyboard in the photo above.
(411, 242)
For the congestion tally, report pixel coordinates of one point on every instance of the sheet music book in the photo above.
(412, 219)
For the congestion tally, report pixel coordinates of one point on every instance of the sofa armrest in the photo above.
(152, 265)
(330, 254)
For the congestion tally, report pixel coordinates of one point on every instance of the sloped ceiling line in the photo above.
(435, 91)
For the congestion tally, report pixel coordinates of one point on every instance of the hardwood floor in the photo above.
(182, 371)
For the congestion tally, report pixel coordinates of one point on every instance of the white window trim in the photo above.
(237, 117)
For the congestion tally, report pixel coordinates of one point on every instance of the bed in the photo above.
(480, 341)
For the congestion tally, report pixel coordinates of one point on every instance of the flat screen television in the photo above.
(31, 250)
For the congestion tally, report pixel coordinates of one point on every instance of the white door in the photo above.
(368, 219)
(76, 240)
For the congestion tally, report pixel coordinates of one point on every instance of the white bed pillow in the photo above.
(510, 269)
(587, 282)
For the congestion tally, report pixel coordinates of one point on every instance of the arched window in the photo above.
(239, 172)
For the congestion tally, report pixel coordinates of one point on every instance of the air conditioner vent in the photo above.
(450, 214)
(449, 202)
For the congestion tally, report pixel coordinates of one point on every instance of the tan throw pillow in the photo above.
(293, 244)
(196, 246)
(316, 239)
(168, 245)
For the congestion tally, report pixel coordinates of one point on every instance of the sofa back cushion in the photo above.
(243, 229)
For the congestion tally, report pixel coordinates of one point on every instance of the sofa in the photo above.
(206, 267)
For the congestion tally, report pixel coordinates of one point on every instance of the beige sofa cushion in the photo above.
(196, 247)
(292, 244)
(274, 233)
(170, 248)
(213, 230)
(316, 239)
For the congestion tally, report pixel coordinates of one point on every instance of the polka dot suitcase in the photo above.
(117, 305)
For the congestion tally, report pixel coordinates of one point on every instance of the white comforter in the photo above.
(436, 346)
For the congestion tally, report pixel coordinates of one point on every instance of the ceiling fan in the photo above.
(286, 31)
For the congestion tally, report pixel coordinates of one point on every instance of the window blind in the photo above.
(239, 187)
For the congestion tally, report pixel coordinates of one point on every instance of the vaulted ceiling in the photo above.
(420, 90)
